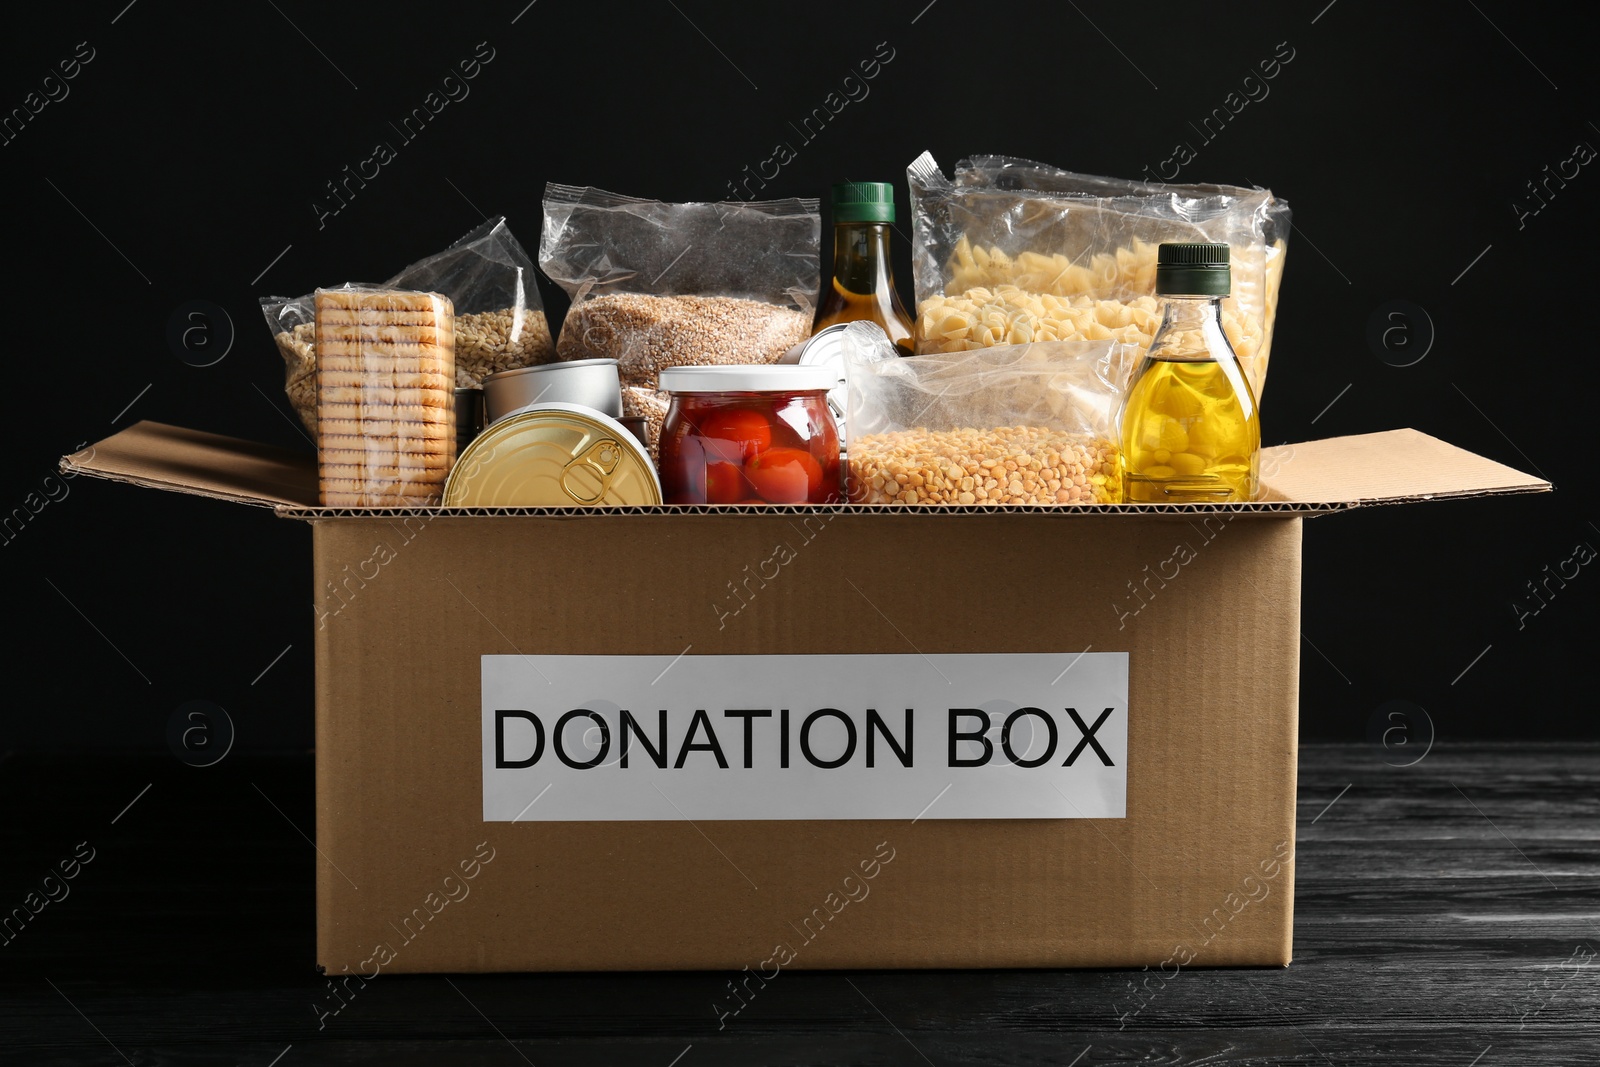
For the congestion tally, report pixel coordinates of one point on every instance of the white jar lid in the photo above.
(740, 378)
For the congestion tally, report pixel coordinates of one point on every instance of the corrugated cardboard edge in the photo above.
(1291, 797)
(158, 456)
(1281, 508)
(323, 771)
(1391, 467)
(1312, 478)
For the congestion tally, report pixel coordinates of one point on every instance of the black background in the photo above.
(189, 152)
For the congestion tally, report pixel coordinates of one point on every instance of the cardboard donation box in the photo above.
(807, 737)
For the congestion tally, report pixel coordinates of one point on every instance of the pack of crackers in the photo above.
(385, 396)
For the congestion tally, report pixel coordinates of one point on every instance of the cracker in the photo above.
(334, 461)
(379, 300)
(355, 496)
(385, 379)
(356, 356)
(394, 483)
(367, 351)
(383, 426)
(379, 366)
(390, 444)
(391, 486)
(347, 500)
(388, 479)
(372, 319)
(387, 333)
(375, 414)
(383, 398)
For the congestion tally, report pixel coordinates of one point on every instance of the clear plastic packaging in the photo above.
(489, 279)
(386, 433)
(1011, 251)
(1010, 424)
(293, 326)
(656, 285)
(650, 404)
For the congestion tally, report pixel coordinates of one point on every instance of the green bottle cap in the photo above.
(1193, 270)
(863, 202)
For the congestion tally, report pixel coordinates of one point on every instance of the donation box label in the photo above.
(983, 736)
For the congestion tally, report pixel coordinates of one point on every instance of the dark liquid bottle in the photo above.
(862, 286)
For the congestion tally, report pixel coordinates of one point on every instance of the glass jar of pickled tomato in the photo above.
(749, 435)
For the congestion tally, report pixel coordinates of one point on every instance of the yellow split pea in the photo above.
(1004, 465)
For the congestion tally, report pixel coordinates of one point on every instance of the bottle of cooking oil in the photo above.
(863, 280)
(1190, 429)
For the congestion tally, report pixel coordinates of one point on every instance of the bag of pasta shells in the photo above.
(1011, 252)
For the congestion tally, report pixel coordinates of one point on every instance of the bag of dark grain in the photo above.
(657, 285)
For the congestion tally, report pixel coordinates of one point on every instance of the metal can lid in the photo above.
(637, 425)
(554, 455)
(825, 348)
(740, 378)
(500, 375)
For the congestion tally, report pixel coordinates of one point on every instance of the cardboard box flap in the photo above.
(1390, 467)
(1316, 476)
(206, 464)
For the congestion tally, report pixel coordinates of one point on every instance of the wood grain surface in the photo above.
(1448, 913)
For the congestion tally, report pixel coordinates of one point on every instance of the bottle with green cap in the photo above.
(862, 286)
(1190, 428)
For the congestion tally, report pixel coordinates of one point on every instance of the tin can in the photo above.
(592, 383)
(637, 425)
(554, 456)
(469, 416)
(826, 348)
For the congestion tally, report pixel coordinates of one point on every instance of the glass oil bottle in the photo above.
(862, 285)
(1190, 428)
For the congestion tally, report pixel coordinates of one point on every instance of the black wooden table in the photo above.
(1448, 912)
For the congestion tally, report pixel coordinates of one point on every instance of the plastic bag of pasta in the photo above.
(1012, 251)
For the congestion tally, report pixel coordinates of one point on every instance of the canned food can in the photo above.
(826, 348)
(637, 425)
(555, 456)
(469, 416)
(591, 383)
